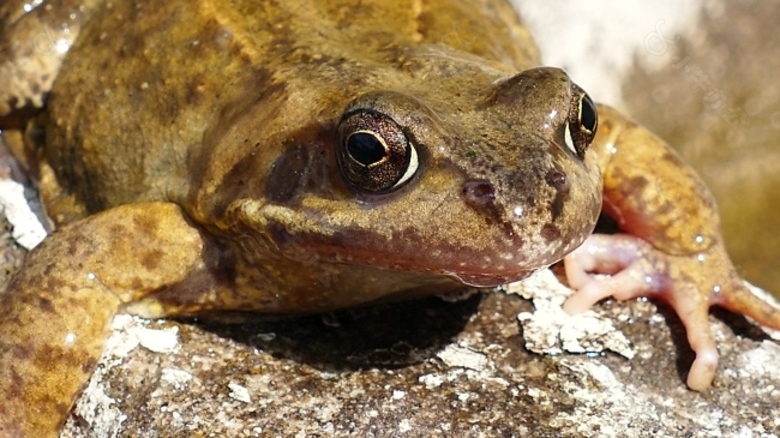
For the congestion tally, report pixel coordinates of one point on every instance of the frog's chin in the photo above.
(487, 280)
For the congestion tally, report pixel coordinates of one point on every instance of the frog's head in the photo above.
(411, 188)
(484, 185)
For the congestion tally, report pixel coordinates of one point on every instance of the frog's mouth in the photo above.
(487, 280)
(426, 266)
(406, 255)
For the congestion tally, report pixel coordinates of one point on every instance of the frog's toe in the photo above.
(608, 266)
(703, 369)
(637, 269)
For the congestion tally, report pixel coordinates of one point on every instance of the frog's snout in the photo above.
(546, 101)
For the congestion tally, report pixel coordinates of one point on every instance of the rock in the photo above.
(426, 368)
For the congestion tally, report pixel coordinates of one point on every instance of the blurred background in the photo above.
(704, 76)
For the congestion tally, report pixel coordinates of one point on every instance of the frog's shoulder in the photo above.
(33, 43)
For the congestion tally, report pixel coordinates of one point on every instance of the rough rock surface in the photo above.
(426, 368)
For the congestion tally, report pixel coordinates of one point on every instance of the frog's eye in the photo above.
(374, 153)
(582, 125)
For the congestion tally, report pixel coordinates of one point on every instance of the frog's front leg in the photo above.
(672, 249)
(55, 314)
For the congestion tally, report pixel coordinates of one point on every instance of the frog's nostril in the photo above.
(478, 192)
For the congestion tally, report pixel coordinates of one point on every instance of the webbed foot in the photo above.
(690, 284)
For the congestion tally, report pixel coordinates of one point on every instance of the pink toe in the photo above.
(703, 369)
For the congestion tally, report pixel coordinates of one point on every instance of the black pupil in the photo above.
(588, 116)
(365, 148)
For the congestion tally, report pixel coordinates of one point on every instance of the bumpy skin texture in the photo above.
(198, 159)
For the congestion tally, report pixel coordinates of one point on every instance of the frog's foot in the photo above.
(689, 283)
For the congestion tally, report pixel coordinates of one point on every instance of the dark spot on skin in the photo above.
(151, 260)
(117, 230)
(89, 365)
(17, 384)
(146, 224)
(556, 206)
(550, 232)
(76, 244)
(53, 282)
(20, 352)
(63, 409)
(46, 305)
(287, 174)
(136, 284)
(48, 269)
(635, 184)
(557, 180)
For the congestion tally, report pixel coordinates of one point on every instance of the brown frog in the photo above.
(299, 157)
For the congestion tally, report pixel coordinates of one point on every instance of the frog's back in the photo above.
(149, 87)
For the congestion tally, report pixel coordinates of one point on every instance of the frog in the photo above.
(300, 157)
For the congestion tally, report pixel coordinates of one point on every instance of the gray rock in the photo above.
(425, 368)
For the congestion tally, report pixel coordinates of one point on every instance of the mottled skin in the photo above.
(201, 157)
